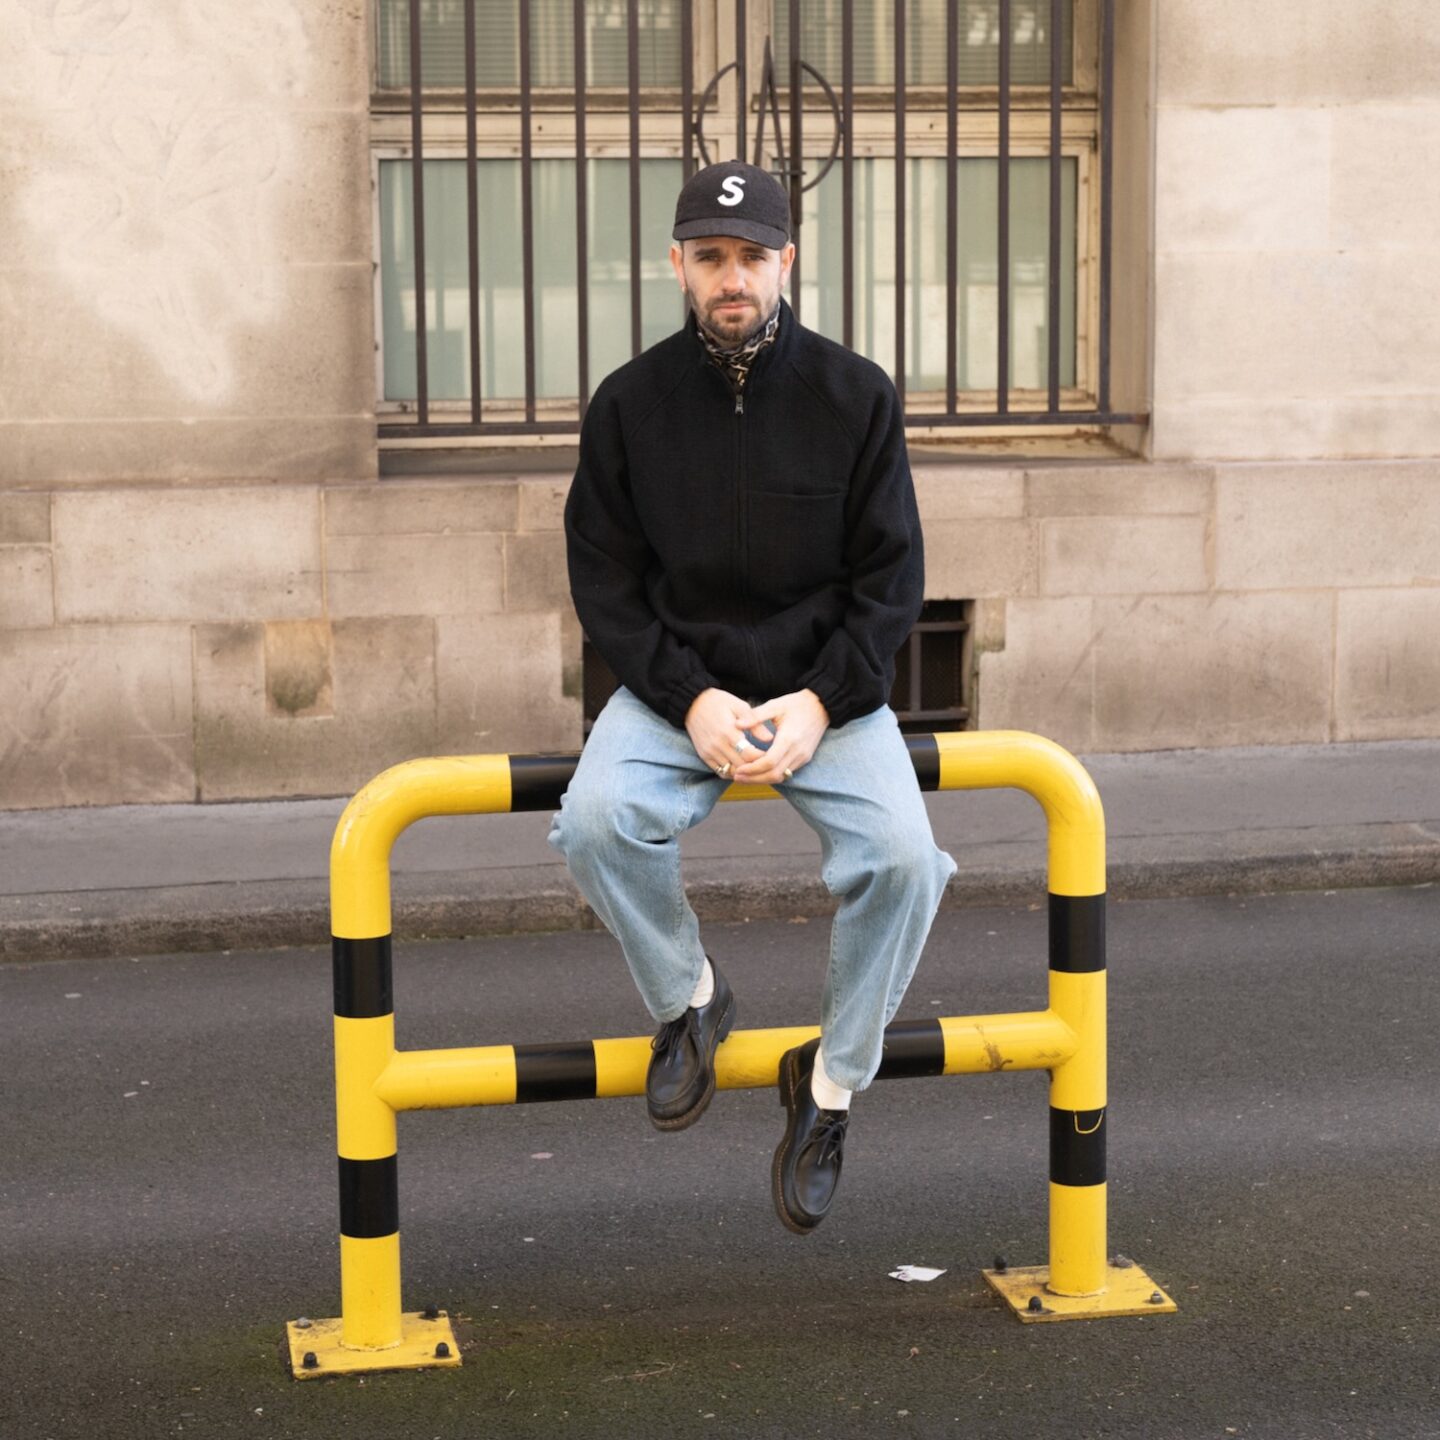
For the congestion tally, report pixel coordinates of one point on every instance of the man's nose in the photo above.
(734, 277)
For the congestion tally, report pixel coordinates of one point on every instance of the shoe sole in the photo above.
(683, 1122)
(789, 1079)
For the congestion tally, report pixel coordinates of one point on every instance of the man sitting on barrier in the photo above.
(745, 553)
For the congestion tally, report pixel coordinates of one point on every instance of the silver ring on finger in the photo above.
(789, 774)
(723, 771)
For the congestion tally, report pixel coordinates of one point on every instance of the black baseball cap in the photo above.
(734, 198)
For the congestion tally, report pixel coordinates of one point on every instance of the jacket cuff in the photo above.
(680, 699)
(831, 695)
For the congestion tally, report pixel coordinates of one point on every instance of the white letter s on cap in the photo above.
(732, 193)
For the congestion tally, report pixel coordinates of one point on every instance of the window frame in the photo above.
(607, 128)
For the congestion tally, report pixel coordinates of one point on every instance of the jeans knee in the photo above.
(584, 825)
(592, 823)
(907, 866)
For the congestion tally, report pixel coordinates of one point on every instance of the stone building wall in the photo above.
(1296, 230)
(206, 593)
(232, 643)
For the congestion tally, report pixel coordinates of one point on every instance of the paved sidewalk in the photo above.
(148, 879)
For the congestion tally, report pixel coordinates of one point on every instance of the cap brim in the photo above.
(766, 235)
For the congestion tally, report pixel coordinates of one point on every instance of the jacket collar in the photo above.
(784, 339)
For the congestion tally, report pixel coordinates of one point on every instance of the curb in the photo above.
(276, 915)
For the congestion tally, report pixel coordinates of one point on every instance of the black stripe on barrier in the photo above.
(1077, 933)
(912, 1047)
(361, 969)
(369, 1198)
(554, 1072)
(925, 757)
(538, 781)
(1077, 1147)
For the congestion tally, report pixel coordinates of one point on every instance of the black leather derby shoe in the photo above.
(681, 1077)
(807, 1162)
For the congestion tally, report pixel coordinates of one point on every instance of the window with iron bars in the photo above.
(531, 277)
(932, 689)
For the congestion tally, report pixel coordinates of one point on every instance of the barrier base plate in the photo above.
(319, 1342)
(1128, 1291)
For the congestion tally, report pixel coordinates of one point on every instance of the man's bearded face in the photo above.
(732, 284)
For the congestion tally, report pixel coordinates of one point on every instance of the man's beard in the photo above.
(732, 341)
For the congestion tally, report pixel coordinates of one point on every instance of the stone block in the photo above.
(382, 710)
(302, 195)
(271, 55)
(1261, 427)
(414, 574)
(987, 628)
(1345, 524)
(321, 202)
(542, 503)
(1234, 52)
(26, 593)
(187, 554)
(181, 338)
(81, 453)
(1120, 489)
(1387, 683)
(298, 669)
(96, 715)
(500, 686)
(24, 517)
(1256, 325)
(1044, 678)
(1382, 190)
(1173, 672)
(1243, 178)
(401, 507)
(572, 659)
(971, 558)
(536, 573)
(966, 492)
(1122, 554)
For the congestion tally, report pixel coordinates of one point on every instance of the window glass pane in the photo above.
(978, 50)
(502, 294)
(552, 43)
(976, 268)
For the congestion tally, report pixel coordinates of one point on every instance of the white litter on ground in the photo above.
(908, 1273)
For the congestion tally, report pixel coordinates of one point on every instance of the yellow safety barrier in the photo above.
(374, 1082)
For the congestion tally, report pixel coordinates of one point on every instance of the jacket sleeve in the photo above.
(885, 555)
(609, 559)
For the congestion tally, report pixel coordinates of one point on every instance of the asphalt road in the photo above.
(167, 1198)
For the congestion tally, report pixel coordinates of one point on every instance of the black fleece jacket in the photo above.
(764, 542)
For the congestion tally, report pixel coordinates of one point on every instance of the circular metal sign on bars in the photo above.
(768, 96)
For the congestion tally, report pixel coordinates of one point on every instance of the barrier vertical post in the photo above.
(371, 1320)
(1079, 1281)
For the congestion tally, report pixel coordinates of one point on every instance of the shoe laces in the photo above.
(829, 1134)
(673, 1032)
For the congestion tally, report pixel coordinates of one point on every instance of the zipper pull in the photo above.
(739, 403)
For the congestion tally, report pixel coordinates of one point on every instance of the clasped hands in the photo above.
(794, 724)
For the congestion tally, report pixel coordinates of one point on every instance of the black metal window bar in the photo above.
(695, 149)
(933, 672)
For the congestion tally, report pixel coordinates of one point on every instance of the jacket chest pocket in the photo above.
(796, 543)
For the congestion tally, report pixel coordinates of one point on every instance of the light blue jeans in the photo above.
(640, 785)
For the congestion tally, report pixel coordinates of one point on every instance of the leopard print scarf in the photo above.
(735, 362)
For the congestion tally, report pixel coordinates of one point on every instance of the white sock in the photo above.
(828, 1095)
(704, 986)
